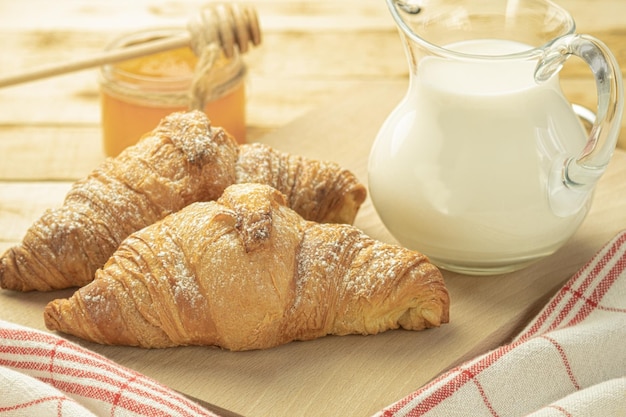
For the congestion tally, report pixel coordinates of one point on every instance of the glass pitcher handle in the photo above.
(581, 172)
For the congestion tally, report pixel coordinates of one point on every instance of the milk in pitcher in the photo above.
(467, 156)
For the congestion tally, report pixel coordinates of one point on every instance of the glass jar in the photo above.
(136, 94)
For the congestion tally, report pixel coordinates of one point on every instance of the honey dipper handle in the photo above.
(107, 57)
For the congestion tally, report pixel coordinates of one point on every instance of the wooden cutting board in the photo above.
(332, 376)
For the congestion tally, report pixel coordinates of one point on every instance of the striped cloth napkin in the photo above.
(570, 361)
(44, 375)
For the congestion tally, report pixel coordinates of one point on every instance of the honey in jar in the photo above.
(136, 94)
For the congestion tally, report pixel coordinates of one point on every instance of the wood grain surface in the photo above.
(320, 85)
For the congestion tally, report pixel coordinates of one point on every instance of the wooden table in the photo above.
(324, 79)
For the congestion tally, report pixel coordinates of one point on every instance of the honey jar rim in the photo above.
(112, 75)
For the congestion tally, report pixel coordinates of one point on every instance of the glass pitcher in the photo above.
(484, 166)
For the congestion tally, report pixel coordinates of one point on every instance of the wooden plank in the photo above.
(22, 203)
(277, 14)
(49, 153)
(105, 15)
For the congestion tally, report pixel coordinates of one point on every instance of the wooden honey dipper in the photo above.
(225, 24)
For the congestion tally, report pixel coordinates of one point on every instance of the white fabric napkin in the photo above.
(44, 375)
(570, 361)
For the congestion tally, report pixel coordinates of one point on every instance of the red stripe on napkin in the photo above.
(58, 399)
(592, 274)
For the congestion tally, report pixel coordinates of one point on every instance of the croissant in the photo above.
(246, 272)
(184, 160)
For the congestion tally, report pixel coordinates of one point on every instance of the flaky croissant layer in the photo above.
(247, 272)
(184, 160)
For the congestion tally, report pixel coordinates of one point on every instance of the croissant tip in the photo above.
(51, 316)
(7, 282)
(11, 277)
(432, 317)
(3, 268)
(435, 314)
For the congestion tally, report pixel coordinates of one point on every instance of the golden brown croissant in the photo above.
(246, 272)
(184, 160)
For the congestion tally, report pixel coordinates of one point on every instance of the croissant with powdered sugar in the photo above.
(246, 272)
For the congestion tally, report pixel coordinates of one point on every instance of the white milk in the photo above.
(459, 171)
